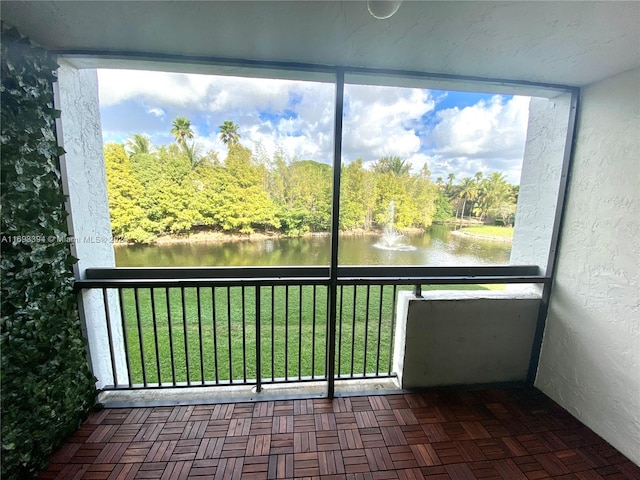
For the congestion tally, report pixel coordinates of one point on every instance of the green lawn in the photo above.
(490, 231)
(296, 338)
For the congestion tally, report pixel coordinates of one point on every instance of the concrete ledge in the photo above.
(464, 337)
(244, 393)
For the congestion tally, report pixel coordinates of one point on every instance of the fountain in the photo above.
(391, 239)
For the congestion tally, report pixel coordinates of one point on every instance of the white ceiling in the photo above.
(569, 43)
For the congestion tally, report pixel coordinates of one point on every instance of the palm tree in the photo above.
(193, 154)
(138, 143)
(468, 191)
(479, 178)
(182, 130)
(394, 165)
(450, 178)
(229, 133)
(496, 189)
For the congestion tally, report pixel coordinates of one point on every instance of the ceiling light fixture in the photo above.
(383, 9)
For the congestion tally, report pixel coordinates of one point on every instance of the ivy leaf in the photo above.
(46, 384)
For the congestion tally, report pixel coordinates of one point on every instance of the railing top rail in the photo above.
(173, 273)
(266, 276)
(305, 272)
(385, 271)
(196, 282)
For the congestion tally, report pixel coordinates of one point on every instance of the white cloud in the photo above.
(302, 111)
(175, 89)
(487, 136)
(381, 121)
(296, 118)
(158, 112)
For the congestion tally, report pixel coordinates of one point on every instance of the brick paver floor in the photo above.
(514, 434)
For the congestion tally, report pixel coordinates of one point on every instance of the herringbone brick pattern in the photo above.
(498, 434)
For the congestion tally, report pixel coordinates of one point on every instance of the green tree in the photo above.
(424, 195)
(229, 133)
(394, 165)
(192, 151)
(138, 144)
(450, 178)
(182, 130)
(277, 178)
(209, 181)
(170, 192)
(124, 192)
(496, 190)
(244, 202)
(357, 196)
(309, 193)
(392, 188)
(443, 210)
(503, 213)
(468, 191)
(169, 188)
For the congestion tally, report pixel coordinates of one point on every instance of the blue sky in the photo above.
(453, 132)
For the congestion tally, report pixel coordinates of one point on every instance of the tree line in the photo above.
(175, 188)
(481, 197)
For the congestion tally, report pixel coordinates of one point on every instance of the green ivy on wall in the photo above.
(47, 387)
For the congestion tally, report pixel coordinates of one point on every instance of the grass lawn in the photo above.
(489, 231)
(213, 337)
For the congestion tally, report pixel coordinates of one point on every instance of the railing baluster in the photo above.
(154, 318)
(328, 355)
(340, 331)
(123, 318)
(366, 331)
(258, 341)
(379, 329)
(300, 332)
(139, 323)
(286, 333)
(244, 335)
(215, 334)
(186, 338)
(393, 322)
(105, 299)
(353, 326)
(229, 333)
(171, 350)
(273, 337)
(313, 337)
(200, 335)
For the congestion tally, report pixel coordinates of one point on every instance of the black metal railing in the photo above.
(222, 326)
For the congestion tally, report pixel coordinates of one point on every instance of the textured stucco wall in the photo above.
(540, 180)
(464, 338)
(85, 183)
(590, 361)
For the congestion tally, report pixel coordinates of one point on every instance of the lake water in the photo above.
(436, 247)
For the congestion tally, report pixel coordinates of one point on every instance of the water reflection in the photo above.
(436, 247)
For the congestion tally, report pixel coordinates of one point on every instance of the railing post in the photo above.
(258, 342)
(335, 225)
(417, 290)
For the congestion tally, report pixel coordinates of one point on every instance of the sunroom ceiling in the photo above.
(568, 43)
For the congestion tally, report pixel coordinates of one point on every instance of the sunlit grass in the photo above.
(490, 231)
